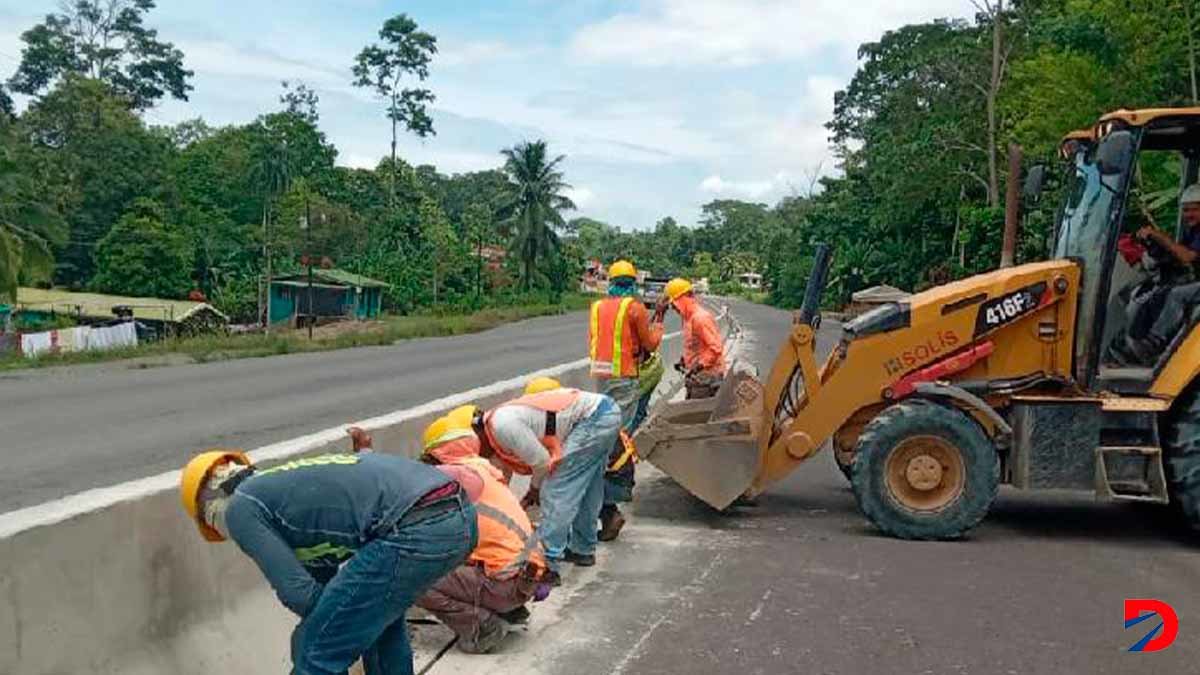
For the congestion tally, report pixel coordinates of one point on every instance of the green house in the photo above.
(335, 294)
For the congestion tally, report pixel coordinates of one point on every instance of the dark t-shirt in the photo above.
(1191, 238)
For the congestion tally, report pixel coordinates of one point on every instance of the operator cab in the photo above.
(1131, 176)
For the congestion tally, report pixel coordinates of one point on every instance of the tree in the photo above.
(6, 104)
(443, 243)
(533, 203)
(404, 53)
(187, 132)
(300, 101)
(144, 256)
(477, 224)
(30, 228)
(103, 40)
(95, 157)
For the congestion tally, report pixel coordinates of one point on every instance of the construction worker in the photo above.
(348, 543)
(703, 362)
(1182, 299)
(621, 336)
(480, 598)
(560, 438)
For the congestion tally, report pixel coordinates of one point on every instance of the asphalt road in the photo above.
(64, 430)
(803, 584)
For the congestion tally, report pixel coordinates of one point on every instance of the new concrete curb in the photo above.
(116, 580)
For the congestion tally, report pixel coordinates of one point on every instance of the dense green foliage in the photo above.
(91, 193)
(914, 202)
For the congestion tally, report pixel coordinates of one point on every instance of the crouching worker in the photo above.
(561, 438)
(348, 543)
(480, 598)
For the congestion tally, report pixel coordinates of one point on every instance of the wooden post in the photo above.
(1012, 206)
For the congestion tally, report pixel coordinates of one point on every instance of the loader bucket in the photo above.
(708, 446)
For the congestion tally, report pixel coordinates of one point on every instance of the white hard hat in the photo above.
(1191, 195)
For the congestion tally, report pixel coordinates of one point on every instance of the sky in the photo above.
(659, 105)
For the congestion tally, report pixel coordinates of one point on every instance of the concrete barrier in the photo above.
(116, 580)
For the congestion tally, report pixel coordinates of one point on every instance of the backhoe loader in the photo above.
(1004, 377)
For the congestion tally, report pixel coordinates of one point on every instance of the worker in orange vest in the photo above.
(482, 597)
(559, 437)
(703, 362)
(621, 336)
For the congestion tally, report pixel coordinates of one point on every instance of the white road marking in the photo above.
(65, 508)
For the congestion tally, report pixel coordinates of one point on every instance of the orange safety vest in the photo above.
(507, 540)
(552, 403)
(614, 346)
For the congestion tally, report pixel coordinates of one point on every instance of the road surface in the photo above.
(803, 584)
(64, 430)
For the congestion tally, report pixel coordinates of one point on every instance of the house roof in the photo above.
(338, 277)
(97, 305)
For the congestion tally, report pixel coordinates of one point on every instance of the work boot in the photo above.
(611, 522)
(579, 559)
(516, 617)
(489, 636)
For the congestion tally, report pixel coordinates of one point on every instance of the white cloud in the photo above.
(456, 54)
(583, 197)
(749, 189)
(747, 32)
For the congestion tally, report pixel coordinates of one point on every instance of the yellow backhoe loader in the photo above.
(1005, 377)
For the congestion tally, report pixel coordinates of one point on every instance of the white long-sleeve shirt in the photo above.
(520, 429)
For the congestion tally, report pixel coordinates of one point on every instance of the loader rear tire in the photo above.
(845, 461)
(1183, 456)
(925, 471)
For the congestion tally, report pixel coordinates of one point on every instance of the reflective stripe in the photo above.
(595, 336)
(530, 541)
(321, 551)
(320, 460)
(531, 544)
(618, 333)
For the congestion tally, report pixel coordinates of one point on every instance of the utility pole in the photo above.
(1012, 206)
(308, 261)
(267, 255)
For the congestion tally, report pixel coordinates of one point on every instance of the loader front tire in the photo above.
(925, 471)
(1183, 456)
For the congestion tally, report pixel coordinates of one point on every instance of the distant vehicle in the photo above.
(652, 290)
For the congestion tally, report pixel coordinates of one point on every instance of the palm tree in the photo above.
(29, 227)
(532, 203)
(273, 173)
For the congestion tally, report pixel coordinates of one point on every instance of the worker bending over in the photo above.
(504, 571)
(621, 337)
(703, 362)
(348, 543)
(560, 438)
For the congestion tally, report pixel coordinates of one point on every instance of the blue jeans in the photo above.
(618, 485)
(573, 494)
(361, 611)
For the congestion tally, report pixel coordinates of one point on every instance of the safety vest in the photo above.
(552, 403)
(507, 540)
(614, 346)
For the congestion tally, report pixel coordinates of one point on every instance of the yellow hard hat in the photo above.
(193, 478)
(677, 288)
(622, 268)
(445, 429)
(540, 384)
(463, 414)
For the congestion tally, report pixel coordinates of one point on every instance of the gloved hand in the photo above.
(679, 367)
(531, 498)
(359, 440)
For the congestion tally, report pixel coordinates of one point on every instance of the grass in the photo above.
(209, 348)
